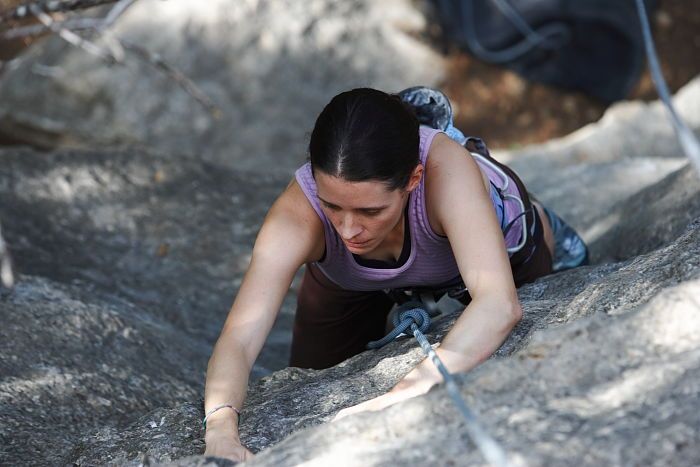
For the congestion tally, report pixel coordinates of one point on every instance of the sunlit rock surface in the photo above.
(603, 390)
(127, 379)
(602, 370)
(628, 130)
(269, 65)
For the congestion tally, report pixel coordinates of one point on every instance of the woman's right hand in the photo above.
(221, 437)
(291, 235)
(226, 446)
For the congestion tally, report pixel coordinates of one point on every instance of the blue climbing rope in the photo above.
(407, 315)
(412, 316)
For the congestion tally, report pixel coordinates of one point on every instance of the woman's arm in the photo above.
(291, 235)
(459, 207)
(462, 209)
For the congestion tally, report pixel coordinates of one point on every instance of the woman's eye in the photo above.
(373, 212)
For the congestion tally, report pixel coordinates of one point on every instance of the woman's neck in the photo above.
(391, 247)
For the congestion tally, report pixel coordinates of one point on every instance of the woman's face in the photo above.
(363, 213)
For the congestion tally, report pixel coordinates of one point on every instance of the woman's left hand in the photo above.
(417, 382)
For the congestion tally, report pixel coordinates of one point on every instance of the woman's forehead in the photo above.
(364, 194)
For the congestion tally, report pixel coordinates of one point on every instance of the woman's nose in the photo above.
(349, 228)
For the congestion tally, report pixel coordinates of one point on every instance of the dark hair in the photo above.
(366, 134)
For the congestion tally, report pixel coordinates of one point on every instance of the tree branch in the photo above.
(98, 24)
(116, 11)
(50, 6)
(71, 37)
(157, 62)
(116, 46)
(75, 24)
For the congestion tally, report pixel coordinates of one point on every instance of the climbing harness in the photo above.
(408, 315)
(428, 297)
(413, 317)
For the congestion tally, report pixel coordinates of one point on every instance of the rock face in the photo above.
(129, 259)
(586, 393)
(628, 130)
(601, 371)
(70, 361)
(270, 66)
(603, 368)
(172, 236)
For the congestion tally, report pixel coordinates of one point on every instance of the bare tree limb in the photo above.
(115, 50)
(113, 43)
(116, 11)
(50, 6)
(157, 62)
(66, 29)
(71, 37)
(74, 24)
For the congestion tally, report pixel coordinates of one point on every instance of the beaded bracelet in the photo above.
(222, 406)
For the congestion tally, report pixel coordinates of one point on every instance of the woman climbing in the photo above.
(393, 198)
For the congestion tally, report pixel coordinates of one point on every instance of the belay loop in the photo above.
(407, 315)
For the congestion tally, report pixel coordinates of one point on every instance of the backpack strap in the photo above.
(477, 145)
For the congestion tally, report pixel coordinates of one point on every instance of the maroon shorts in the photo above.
(333, 324)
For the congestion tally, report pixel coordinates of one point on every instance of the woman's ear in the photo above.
(415, 178)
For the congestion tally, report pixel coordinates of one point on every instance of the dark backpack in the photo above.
(594, 46)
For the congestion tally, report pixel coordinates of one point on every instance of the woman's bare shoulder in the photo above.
(446, 156)
(292, 217)
(444, 150)
(453, 180)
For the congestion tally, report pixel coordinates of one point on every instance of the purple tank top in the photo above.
(430, 262)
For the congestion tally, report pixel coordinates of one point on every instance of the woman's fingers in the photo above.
(228, 450)
(383, 401)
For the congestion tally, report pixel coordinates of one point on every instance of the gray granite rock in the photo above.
(172, 236)
(128, 263)
(607, 389)
(587, 195)
(586, 339)
(294, 401)
(601, 175)
(71, 363)
(628, 130)
(148, 439)
(269, 65)
(602, 370)
(648, 219)
(96, 313)
(129, 259)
